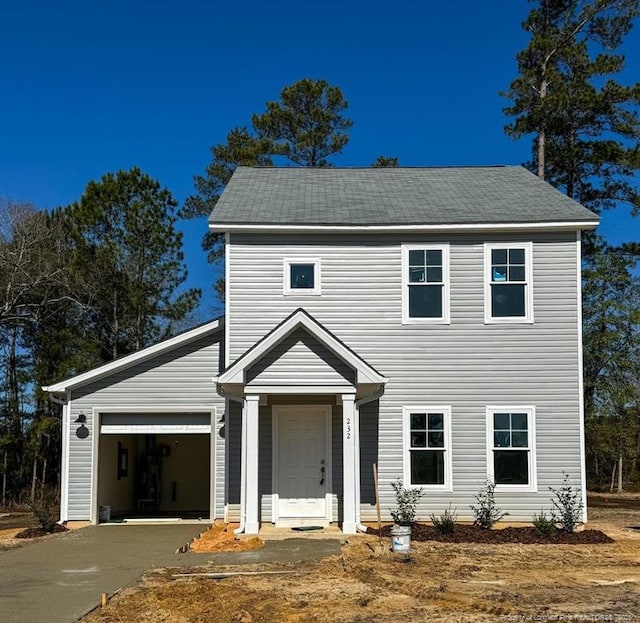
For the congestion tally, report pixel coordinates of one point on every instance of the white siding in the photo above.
(467, 364)
(177, 379)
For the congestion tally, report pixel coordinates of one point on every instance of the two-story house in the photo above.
(427, 320)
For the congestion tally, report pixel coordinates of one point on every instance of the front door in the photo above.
(302, 461)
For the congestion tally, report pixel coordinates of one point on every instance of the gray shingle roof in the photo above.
(392, 196)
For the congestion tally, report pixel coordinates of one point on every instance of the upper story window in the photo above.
(302, 276)
(511, 447)
(427, 447)
(508, 283)
(425, 283)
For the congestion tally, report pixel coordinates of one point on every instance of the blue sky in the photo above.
(92, 87)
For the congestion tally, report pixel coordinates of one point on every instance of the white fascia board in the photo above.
(365, 374)
(435, 228)
(137, 357)
(299, 389)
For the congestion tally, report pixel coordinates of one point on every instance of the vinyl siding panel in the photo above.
(467, 364)
(296, 352)
(180, 378)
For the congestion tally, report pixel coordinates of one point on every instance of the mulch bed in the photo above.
(525, 535)
(32, 533)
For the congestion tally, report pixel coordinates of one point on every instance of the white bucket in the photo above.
(401, 539)
(104, 514)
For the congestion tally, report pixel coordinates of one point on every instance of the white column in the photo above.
(349, 440)
(251, 500)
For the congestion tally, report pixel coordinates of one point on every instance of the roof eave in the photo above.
(235, 373)
(134, 358)
(408, 228)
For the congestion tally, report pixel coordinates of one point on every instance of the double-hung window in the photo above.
(425, 283)
(302, 276)
(511, 447)
(508, 287)
(427, 447)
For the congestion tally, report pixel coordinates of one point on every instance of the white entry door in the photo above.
(303, 461)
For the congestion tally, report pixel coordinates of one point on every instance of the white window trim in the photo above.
(406, 446)
(528, 296)
(531, 427)
(446, 315)
(317, 276)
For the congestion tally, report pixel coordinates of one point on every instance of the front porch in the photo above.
(269, 532)
(293, 450)
(293, 425)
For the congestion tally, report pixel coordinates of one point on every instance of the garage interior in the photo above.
(164, 475)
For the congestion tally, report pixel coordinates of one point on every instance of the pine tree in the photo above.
(585, 124)
(306, 126)
(385, 161)
(586, 133)
(127, 242)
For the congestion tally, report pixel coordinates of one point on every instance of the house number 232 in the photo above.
(348, 428)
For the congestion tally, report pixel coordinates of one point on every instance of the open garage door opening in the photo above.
(154, 466)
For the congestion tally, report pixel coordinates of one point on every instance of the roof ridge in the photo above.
(370, 168)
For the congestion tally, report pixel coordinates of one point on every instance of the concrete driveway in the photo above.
(59, 579)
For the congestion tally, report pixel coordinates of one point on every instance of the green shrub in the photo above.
(567, 505)
(43, 511)
(445, 523)
(486, 511)
(406, 502)
(543, 525)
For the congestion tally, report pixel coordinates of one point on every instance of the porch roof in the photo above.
(300, 319)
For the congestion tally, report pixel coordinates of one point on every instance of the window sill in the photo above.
(426, 321)
(441, 488)
(516, 489)
(305, 294)
(511, 320)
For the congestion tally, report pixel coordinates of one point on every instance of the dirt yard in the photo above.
(440, 582)
(11, 523)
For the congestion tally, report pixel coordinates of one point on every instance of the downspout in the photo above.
(243, 459)
(363, 401)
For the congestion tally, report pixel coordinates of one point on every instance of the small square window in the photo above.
(302, 277)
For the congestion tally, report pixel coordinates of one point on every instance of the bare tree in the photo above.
(34, 264)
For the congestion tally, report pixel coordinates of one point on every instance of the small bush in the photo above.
(543, 525)
(486, 511)
(43, 511)
(567, 506)
(445, 523)
(406, 502)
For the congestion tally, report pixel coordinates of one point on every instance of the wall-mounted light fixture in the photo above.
(82, 432)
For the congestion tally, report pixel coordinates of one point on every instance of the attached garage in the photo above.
(155, 465)
(145, 435)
